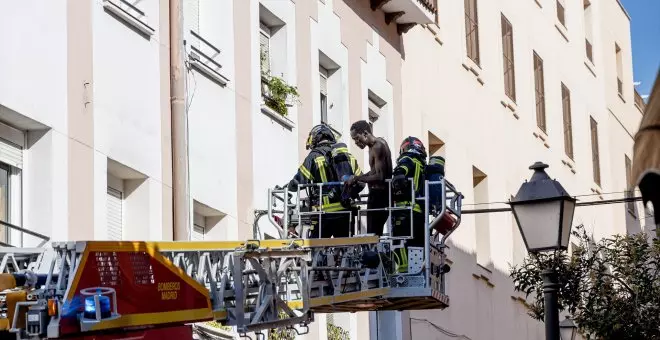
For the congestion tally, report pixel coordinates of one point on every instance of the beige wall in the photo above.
(464, 110)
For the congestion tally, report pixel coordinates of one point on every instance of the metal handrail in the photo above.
(44, 238)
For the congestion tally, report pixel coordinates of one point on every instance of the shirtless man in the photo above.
(380, 162)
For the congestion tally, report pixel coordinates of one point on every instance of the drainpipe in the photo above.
(180, 187)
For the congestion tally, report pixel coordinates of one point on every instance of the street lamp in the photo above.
(544, 214)
(568, 329)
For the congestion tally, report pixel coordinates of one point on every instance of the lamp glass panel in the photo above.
(567, 333)
(569, 209)
(539, 223)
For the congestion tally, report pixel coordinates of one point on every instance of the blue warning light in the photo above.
(90, 306)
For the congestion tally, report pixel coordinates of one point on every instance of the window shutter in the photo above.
(198, 233)
(323, 75)
(11, 154)
(115, 214)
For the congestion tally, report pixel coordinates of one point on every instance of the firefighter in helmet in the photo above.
(317, 168)
(407, 185)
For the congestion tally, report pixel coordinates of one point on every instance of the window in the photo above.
(264, 47)
(588, 30)
(436, 145)
(561, 12)
(509, 66)
(199, 227)
(595, 156)
(619, 69)
(540, 92)
(629, 187)
(323, 81)
(11, 164)
(568, 126)
(374, 111)
(472, 30)
(378, 118)
(5, 173)
(481, 221)
(115, 213)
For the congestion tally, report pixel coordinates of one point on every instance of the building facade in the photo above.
(493, 86)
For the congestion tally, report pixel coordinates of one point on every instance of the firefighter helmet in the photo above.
(318, 134)
(413, 145)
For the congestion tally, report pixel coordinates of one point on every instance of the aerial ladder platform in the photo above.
(157, 290)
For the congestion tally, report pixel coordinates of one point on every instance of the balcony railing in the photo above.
(204, 57)
(407, 13)
(590, 50)
(619, 86)
(639, 102)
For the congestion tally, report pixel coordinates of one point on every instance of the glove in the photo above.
(293, 185)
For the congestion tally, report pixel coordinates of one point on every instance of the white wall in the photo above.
(127, 112)
(275, 153)
(33, 61)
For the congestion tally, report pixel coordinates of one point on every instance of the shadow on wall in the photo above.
(633, 218)
(483, 305)
(376, 20)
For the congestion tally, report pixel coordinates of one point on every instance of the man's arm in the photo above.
(377, 174)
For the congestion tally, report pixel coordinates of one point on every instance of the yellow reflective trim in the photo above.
(418, 170)
(337, 151)
(306, 173)
(437, 161)
(326, 200)
(356, 168)
(330, 207)
(416, 208)
(320, 162)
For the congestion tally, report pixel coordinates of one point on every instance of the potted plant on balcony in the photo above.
(277, 94)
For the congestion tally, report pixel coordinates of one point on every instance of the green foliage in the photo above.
(337, 333)
(282, 333)
(215, 324)
(276, 91)
(611, 287)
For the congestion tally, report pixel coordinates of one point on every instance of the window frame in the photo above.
(265, 31)
(508, 61)
(539, 90)
(472, 31)
(595, 151)
(323, 95)
(561, 12)
(567, 121)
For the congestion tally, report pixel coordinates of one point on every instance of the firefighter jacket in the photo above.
(316, 169)
(409, 167)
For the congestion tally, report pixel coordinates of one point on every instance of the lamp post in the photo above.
(568, 329)
(544, 214)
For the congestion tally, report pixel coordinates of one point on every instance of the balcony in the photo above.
(619, 86)
(407, 13)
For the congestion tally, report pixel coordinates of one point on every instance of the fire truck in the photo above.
(160, 290)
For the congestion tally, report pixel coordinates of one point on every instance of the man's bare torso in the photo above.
(382, 153)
